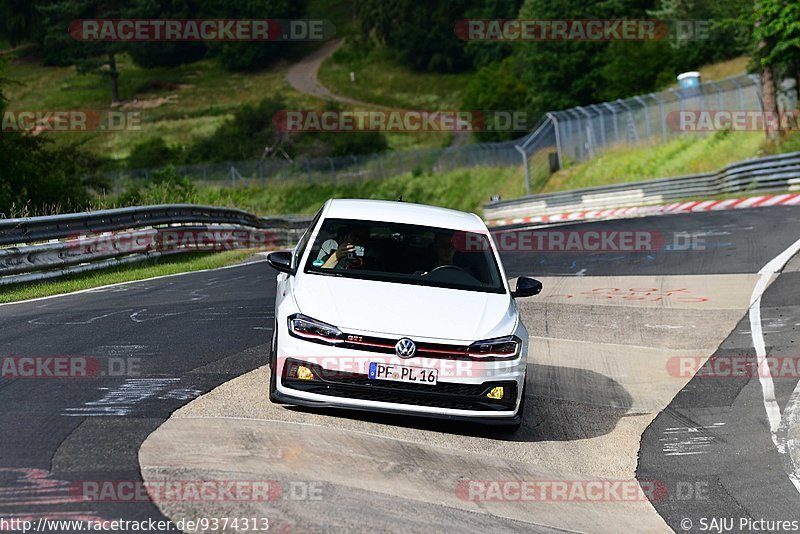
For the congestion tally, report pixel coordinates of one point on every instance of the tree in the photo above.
(562, 74)
(166, 54)
(421, 34)
(495, 87)
(19, 20)
(776, 39)
(89, 57)
(242, 56)
(37, 176)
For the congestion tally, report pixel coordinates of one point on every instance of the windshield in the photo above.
(405, 254)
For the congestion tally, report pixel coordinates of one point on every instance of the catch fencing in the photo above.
(562, 138)
(336, 170)
(583, 132)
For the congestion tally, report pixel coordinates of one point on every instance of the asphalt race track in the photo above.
(608, 399)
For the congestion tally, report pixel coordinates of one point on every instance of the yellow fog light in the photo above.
(304, 373)
(496, 393)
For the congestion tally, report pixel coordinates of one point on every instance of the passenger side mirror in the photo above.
(527, 287)
(281, 261)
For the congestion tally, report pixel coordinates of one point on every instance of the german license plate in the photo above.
(401, 373)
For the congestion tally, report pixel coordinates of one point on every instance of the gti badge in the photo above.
(405, 348)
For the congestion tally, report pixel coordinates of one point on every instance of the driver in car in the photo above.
(444, 249)
(346, 255)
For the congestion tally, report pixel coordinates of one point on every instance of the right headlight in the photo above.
(305, 327)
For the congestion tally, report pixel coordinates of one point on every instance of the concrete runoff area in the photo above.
(598, 375)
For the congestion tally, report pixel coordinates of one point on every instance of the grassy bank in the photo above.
(686, 155)
(127, 273)
(176, 103)
(463, 189)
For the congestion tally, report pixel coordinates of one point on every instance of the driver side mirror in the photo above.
(281, 261)
(527, 287)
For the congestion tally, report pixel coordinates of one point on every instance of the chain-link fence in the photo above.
(583, 132)
(337, 169)
(560, 139)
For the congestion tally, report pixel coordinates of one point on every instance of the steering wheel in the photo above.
(444, 267)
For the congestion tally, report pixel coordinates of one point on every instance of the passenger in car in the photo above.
(347, 254)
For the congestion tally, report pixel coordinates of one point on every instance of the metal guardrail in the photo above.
(771, 173)
(40, 248)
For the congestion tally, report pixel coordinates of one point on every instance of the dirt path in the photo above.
(303, 75)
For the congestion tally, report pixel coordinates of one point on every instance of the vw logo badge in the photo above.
(405, 348)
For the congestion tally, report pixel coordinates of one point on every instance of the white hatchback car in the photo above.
(401, 308)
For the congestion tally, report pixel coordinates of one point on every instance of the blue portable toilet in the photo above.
(689, 82)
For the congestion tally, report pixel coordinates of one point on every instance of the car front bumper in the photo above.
(341, 381)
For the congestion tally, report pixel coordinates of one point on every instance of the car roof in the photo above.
(404, 212)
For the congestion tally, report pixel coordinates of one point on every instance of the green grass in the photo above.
(463, 189)
(383, 81)
(127, 273)
(202, 96)
(685, 155)
(789, 143)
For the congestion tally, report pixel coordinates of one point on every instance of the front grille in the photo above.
(442, 395)
(386, 346)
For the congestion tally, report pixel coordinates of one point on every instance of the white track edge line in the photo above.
(765, 375)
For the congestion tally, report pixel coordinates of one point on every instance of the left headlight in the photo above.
(310, 329)
(506, 347)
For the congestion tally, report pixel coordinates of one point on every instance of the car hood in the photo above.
(404, 309)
